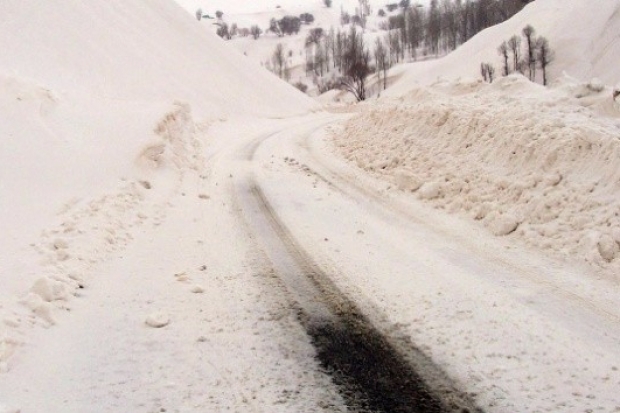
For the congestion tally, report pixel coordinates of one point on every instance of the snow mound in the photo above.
(529, 162)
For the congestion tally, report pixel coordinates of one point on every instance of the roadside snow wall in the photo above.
(527, 162)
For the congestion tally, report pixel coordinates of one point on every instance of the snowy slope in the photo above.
(102, 105)
(134, 50)
(584, 38)
(261, 50)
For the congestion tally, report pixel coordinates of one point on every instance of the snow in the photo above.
(584, 40)
(523, 160)
(103, 117)
(522, 331)
(478, 220)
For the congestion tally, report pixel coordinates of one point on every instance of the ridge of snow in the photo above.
(536, 163)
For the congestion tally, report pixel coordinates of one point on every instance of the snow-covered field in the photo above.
(480, 221)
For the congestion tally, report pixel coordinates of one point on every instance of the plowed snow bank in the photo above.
(539, 165)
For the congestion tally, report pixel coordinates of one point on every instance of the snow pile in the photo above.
(528, 162)
(583, 37)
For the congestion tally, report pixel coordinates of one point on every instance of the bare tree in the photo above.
(488, 72)
(503, 51)
(364, 11)
(491, 72)
(357, 65)
(274, 27)
(466, 19)
(320, 60)
(330, 41)
(449, 24)
(313, 40)
(514, 45)
(544, 56)
(278, 59)
(223, 31)
(382, 61)
(434, 27)
(415, 29)
(530, 43)
(395, 47)
(199, 14)
(255, 31)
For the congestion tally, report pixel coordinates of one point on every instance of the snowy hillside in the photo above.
(584, 38)
(95, 115)
(133, 50)
(261, 50)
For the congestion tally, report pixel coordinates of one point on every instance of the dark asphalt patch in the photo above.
(370, 374)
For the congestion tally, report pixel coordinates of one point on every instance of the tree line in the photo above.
(410, 31)
(340, 58)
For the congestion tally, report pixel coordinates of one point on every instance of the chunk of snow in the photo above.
(607, 247)
(39, 307)
(502, 224)
(595, 85)
(157, 320)
(430, 190)
(407, 181)
(50, 290)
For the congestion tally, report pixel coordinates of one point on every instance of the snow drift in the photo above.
(103, 107)
(534, 163)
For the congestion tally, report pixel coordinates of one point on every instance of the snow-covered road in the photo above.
(516, 331)
(519, 330)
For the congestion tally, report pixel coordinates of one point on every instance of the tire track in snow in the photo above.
(346, 184)
(370, 370)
